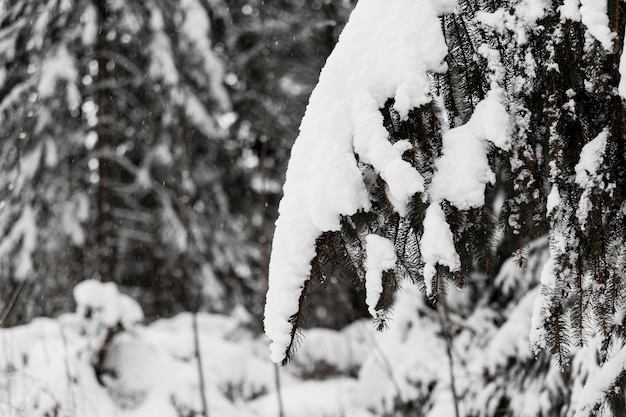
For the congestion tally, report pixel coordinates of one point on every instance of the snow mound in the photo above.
(103, 304)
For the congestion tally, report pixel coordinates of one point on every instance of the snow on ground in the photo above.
(331, 397)
(47, 367)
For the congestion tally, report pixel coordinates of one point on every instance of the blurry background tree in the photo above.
(274, 59)
(145, 143)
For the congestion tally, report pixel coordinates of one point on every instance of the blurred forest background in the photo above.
(145, 143)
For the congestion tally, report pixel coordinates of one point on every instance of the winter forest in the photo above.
(312, 208)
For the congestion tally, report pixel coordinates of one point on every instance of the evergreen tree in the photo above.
(410, 171)
(114, 122)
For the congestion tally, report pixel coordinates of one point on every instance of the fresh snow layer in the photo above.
(437, 245)
(461, 175)
(385, 51)
(554, 199)
(463, 171)
(594, 17)
(570, 10)
(105, 305)
(381, 256)
(601, 384)
(47, 366)
(540, 310)
(591, 157)
(588, 176)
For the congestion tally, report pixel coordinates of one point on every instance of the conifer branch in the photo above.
(296, 321)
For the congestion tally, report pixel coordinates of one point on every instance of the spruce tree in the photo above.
(114, 120)
(518, 136)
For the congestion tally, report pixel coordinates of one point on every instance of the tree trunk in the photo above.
(104, 222)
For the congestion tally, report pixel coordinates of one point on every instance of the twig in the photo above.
(196, 343)
(8, 309)
(70, 382)
(279, 395)
(445, 328)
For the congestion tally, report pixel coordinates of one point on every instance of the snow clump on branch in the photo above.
(380, 55)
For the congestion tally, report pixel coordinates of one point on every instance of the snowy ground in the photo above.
(48, 367)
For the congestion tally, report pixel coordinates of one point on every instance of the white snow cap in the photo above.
(588, 174)
(386, 51)
(461, 174)
(594, 17)
(381, 256)
(570, 10)
(437, 245)
(554, 199)
(106, 305)
(541, 312)
(463, 171)
(591, 158)
(601, 384)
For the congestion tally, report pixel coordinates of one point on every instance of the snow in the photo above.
(570, 10)
(437, 245)
(29, 165)
(51, 154)
(89, 30)
(197, 28)
(102, 304)
(75, 213)
(588, 175)
(23, 231)
(463, 170)
(311, 398)
(461, 175)
(553, 200)
(541, 311)
(403, 364)
(200, 116)
(60, 66)
(498, 20)
(379, 56)
(162, 64)
(381, 256)
(594, 17)
(506, 343)
(522, 20)
(373, 147)
(340, 351)
(601, 384)
(47, 366)
(530, 11)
